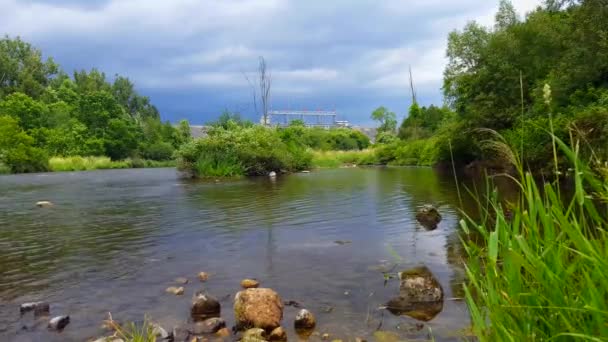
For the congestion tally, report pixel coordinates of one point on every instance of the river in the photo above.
(114, 240)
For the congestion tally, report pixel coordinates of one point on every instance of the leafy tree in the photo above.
(387, 120)
(22, 69)
(17, 149)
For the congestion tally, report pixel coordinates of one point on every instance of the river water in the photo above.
(116, 239)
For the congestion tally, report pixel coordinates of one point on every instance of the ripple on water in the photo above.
(116, 239)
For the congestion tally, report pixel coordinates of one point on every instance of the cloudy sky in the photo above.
(189, 56)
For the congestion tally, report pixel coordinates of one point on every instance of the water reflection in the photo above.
(116, 239)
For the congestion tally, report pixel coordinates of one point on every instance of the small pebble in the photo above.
(249, 283)
(178, 291)
(203, 276)
(181, 280)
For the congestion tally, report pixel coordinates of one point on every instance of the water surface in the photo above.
(116, 239)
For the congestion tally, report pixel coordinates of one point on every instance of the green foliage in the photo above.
(324, 139)
(230, 120)
(541, 269)
(22, 69)
(387, 120)
(255, 150)
(333, 159)
(17, 151)
(386, 138)
(422, 122)
(84, 115)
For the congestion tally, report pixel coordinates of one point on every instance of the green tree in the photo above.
(17, 149)
(22, 68)
(387, 120)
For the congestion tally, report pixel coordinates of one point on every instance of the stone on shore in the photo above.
(250, 283)
(178, 291)
(204, 306)
(258, 308)
(59, 322)
(305, 320)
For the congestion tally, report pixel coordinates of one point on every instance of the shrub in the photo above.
(157, 151)
(17, 150)
(253, 150)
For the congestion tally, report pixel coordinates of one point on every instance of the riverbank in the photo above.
(77, 163)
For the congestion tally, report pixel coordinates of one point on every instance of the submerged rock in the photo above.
(305, 320)
(204, 306)
(254, 335)
(224, 332)
(159, 331)
(249, 283)
(208, 326)
(59, 322)
(180, 334)
(428, 216)
(181, 280)
(203, 276)
(420, 295)
(278, 335)
(178, 291)
(386, 336)
(258, 308)
(39, 308)
(44, 204)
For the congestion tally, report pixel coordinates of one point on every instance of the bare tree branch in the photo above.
(253, 93)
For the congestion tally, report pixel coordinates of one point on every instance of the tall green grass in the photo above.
(206, 166)
(332, 159)
(4, 169)
(541, 271)
(77, 163)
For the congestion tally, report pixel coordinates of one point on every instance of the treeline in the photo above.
(44, 113)
(236, 147)
(521, 79)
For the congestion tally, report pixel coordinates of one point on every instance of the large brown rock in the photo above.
(428, 216)
(204, 306)
(420, 295)
(258, 308)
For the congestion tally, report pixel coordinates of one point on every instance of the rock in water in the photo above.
(180, 334)
(204, 306)
(277, 335)
(208, 326)
(44, 204)
(181, 280)
(59, 322)
(39, 308)
(272, 174)
(249, 283)
(420, 295)
(258, 308)
(203, 276)
(305, 320)
(224, 332)
(158, 331)
(254, 335)
(178, 291)
(428, 216)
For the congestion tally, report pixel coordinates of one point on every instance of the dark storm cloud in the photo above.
(189, 56)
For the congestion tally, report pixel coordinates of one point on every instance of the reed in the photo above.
(541, 271)
(77, 163)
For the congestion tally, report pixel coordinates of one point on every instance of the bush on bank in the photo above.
(239, 151)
